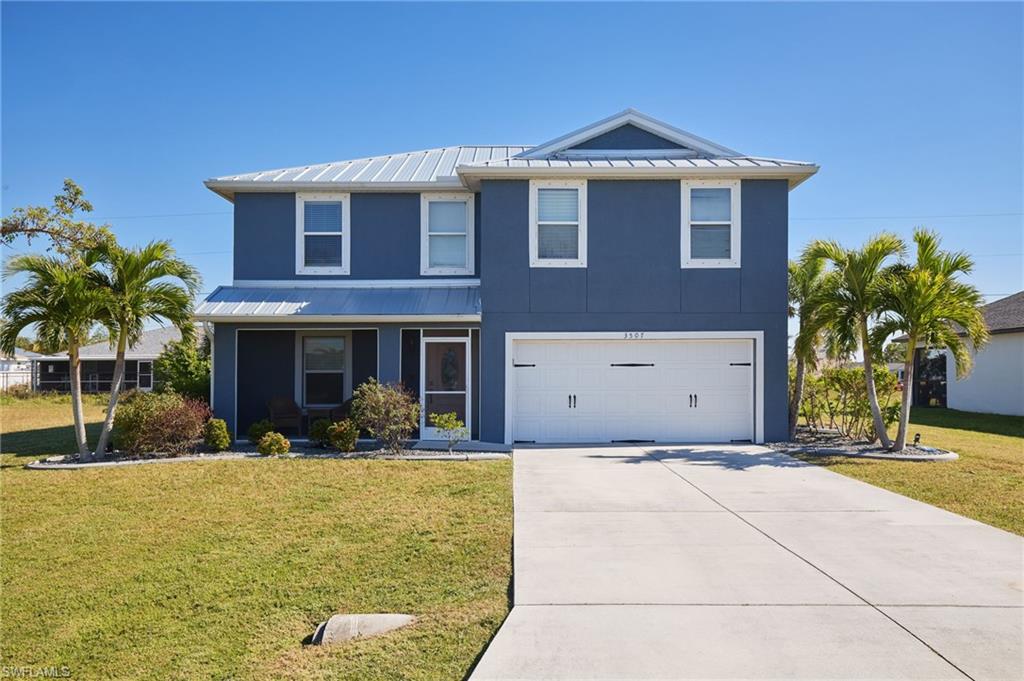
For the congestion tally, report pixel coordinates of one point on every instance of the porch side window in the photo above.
(558, 224)
(323, 370)
(711, 224)
(446, 234)
(322, 233)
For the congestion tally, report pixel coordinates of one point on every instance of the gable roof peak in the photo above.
(702, 147)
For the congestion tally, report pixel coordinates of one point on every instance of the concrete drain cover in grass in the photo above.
(345, 627)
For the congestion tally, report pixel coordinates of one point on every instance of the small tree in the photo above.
(69, 236)
(452, 429)
(184, 367)
(387, 412)
(805, 279)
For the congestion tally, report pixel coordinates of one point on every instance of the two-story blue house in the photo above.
(623, 282)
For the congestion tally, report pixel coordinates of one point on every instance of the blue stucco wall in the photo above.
(633, 279)
(627, 137)
(385, 239)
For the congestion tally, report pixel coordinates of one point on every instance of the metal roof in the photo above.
(463, 166)
(238, 303)
(412, 169)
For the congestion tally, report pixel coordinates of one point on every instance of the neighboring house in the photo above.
(16, 369)
(894, 367)
(53, 373)
(625, 281)
(996, 382)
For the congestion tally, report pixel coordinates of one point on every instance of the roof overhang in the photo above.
(336, 319)
(472, 175)
(228, 188)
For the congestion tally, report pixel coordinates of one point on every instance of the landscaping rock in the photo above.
(346, 627)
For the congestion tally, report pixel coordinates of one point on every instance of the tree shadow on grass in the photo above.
(45, 441)
(995, 424)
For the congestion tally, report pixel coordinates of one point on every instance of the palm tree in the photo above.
(853, 301)
(926, 302)
(137, 288)
(62, 302)
(805, 281)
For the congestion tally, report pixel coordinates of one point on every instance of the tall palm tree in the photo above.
(805, 281)
(853, 302)
(61, 300)
(138, 286)
(926, 302)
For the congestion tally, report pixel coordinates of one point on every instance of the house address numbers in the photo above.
(633, 335)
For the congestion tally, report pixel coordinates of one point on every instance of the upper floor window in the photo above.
(322, 230)
(711, 223)
(558, 223)
(446, 234)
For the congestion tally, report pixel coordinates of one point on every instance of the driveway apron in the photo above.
(700, 562)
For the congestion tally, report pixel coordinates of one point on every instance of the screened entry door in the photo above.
(444, 381)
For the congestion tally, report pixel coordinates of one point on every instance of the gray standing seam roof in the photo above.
(149, 346)
(234, 302)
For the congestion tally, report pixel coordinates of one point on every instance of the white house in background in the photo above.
(16, 369)
(996, 383)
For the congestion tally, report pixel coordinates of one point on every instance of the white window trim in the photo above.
(581, 185)
(425, 233)
(300, 224)
(734, 224)
(300, 366)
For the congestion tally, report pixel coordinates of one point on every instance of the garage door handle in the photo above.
(573, 401)
(691, 400)
(695, 400)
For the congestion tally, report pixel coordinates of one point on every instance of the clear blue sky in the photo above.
(914, 112)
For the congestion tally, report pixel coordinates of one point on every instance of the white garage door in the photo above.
(606, 391)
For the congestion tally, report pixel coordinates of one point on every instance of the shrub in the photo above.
(273, 444)
(19, 391)
(451, 427)
(147, 423)
(216, 436)
(387, 412)
(258, 430)
(343, 435)
(837, 399)
(318, 434)
(184, 367)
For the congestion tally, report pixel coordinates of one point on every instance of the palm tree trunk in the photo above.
(908, 382)
(76, 402)
(869, 379)
(796, 397)
(115, 391)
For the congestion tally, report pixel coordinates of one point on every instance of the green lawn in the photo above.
(986, 483)
(221, 569)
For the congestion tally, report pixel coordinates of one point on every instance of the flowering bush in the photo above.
(168, 423)
(387, 412)
(273, 444)
(343, 435)
(837, 399)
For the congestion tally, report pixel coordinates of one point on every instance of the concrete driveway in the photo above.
(740, 563)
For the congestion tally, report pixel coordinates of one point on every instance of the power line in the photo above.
(160, 215)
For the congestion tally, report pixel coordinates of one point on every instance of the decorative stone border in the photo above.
(53, 464)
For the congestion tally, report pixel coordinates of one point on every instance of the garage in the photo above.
(636, 387)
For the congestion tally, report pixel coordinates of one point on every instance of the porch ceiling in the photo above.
(240, 304)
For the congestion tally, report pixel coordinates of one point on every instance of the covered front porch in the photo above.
(307, 350)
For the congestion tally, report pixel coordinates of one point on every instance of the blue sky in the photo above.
(913, 111)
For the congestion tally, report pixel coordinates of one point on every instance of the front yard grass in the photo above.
(220, 569)
(986, 483)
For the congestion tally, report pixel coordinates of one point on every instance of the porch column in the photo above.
(389, 352)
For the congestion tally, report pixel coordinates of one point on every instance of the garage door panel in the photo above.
(634, 402)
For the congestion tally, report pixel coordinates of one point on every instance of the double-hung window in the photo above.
(323, 370)
(558, 223)
(322, 231)
(711, 224)
(446, 234)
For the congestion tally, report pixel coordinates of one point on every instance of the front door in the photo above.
(444, 381)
